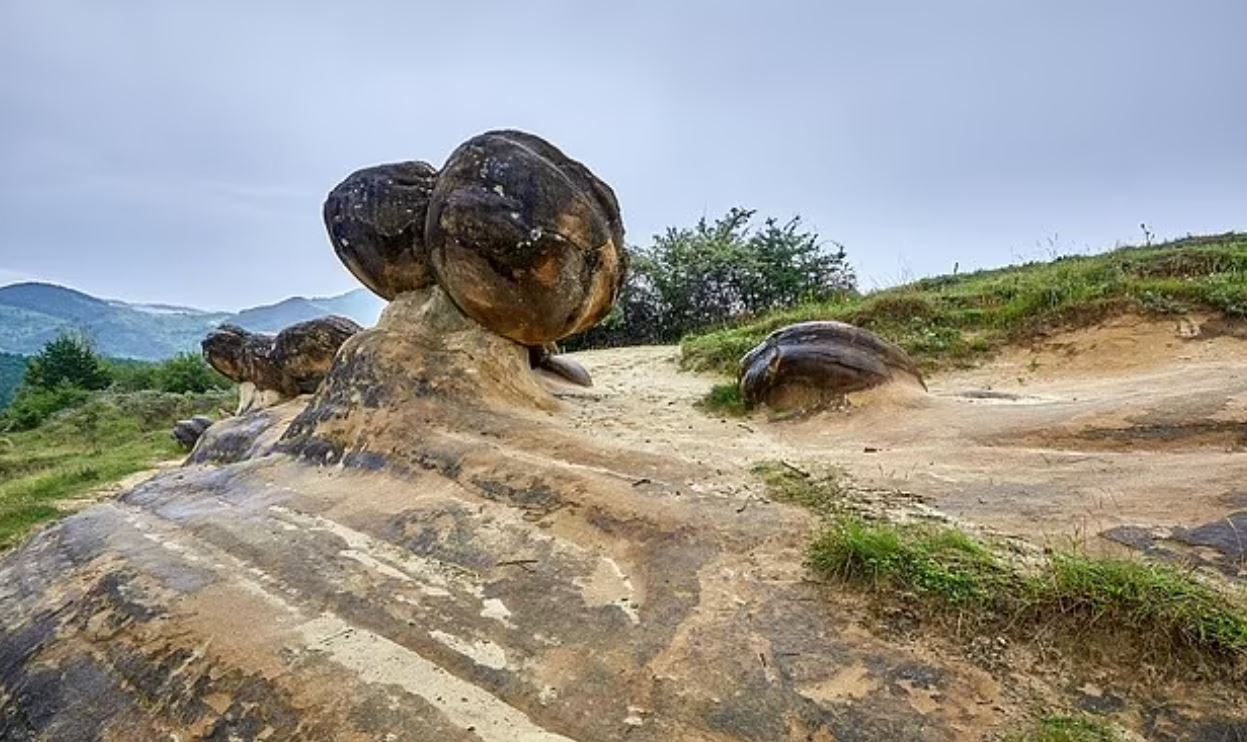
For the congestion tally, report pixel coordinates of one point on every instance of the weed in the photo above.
(724, 399)
(1068, 729)
(1160, 610)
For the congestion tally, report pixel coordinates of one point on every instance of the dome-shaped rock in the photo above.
(242, 356)
(811, 363)
(375, 220)
(525, 240)
(304, 352)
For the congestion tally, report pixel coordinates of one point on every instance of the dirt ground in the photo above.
(1135, 424)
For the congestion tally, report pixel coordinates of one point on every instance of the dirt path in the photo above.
(1129, 429)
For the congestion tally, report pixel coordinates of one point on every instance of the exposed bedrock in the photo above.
(187, 432)
(426, 359)
(375, 219)
(269, 369)
(813, 364)
(525, 240)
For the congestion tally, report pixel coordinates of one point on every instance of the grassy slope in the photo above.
(954, 320)
(1161, 611)
(85, 448)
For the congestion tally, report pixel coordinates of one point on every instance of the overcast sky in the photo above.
(180, 152)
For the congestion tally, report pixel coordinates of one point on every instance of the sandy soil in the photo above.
(1133, 423)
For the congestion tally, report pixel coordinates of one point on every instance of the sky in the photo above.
(180, 152)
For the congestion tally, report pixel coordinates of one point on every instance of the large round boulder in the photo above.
(304, 352)
(525, 240)
(811, 364)
(242, 356)
(375, 220)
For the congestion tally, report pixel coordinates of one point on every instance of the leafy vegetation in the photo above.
(67, 371)
(12, 371)
(78, 423)
(1161, 610)
(724, 399)
(954, 320)
(1068, 729)
(104, 439)
(715, 272)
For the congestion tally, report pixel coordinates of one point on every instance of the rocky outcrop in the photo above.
(187, 432)
(525, 240)
(375, 219)
(304, 352)
(271, 368)
(812, 364)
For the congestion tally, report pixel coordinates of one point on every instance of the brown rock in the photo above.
(375, 219)
(304, 352)
(813, 363)
(525, 240)
(242, 356)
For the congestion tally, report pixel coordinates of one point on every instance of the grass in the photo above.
(1068, 729)
(957, 320)
(1159, 610)
(85, 448)
(724, 399)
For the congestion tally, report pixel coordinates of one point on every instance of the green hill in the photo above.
(12, 369)
(956, 319)
(32, 314)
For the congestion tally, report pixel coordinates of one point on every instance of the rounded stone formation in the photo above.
(304, 352)
(375, 220)
(293, 362)
(241, 355)
(525, 240)
(809, 364)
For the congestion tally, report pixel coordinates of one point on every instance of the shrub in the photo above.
(716, 272)
(34, 405)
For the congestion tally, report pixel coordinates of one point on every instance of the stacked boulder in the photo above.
(270, 368)
(524, 240)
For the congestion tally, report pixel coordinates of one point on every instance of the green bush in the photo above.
(182, 374)
(717, 272)
(66, 361)
(188, 372)
(33, 405)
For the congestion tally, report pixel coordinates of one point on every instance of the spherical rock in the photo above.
(809, 364)
(375, 220)
(242, 356)
(525, 240)
(187, 432)
(304, 352)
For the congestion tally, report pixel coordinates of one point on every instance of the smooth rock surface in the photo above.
(375, 219)
(525, 240)
(811, 364)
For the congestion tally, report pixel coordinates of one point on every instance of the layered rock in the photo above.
(812, 364)
(375, 219)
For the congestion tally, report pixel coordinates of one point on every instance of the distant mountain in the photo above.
(31, 314)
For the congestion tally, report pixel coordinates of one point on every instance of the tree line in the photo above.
(68, 370)
(718, 272)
